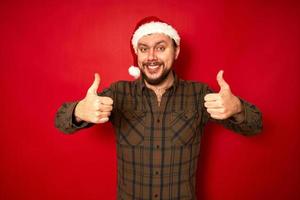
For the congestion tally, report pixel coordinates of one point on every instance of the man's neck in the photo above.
(167, 83)
(161, 88)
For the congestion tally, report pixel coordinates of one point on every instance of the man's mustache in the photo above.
(152, 63)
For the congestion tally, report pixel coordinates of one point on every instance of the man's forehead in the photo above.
(154, 38)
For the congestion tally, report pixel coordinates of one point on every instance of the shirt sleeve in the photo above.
(65, 119)
(252, 123)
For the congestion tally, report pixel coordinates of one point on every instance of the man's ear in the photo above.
(177, 50)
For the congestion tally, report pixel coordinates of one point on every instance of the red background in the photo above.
(50, 50)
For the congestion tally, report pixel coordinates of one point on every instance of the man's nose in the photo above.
(152, 54)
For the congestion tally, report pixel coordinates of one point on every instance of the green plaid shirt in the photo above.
(158, 145)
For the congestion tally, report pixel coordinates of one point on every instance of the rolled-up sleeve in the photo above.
(251, 124)
(65, 119)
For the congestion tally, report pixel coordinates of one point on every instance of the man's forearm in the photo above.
(65, 119)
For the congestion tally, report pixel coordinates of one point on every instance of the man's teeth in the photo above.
(153, 67)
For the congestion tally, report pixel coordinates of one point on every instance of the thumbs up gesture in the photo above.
(94, 108)
(223, 104)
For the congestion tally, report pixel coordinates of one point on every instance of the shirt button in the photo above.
(157, 172)
(156, 195)
(157, 146)
(158, 120)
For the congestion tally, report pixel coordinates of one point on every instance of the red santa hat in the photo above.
(148, 26)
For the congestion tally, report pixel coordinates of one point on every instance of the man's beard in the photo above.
(158, 80)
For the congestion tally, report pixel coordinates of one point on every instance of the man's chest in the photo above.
(141, 120)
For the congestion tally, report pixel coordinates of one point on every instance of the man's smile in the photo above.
(153, 67)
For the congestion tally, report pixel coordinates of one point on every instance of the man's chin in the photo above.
(156, 81)
(153, 81)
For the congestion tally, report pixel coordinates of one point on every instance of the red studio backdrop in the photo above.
(51, 49)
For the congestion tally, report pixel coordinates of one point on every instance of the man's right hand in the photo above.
(94, 108)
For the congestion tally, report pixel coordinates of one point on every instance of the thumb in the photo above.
(94, 87)
(222, 83)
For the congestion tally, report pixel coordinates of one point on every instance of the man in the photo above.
(158, 118)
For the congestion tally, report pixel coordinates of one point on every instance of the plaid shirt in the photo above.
(158, 145)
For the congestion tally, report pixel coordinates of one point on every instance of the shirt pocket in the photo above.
(131, 128)
(183, 127)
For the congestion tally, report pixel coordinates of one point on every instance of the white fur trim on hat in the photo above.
(154, 27)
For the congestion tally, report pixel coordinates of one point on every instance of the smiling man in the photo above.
(158, 118)
(156, 54)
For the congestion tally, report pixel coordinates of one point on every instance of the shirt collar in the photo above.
(141, 83)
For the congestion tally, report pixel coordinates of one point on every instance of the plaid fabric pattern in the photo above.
(158, 145)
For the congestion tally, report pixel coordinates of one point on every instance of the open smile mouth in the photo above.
(153, 69)
(153, 66)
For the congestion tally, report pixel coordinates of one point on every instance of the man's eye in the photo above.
(161, 48)
(143, 49)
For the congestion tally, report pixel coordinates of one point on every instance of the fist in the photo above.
(223, 104)
(94, 108)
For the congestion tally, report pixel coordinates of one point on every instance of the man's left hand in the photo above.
(223, 104)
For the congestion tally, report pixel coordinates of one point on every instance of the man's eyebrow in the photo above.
(160, 42)
(141, 44)
(157, 43)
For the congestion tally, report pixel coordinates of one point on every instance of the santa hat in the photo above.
(148, 26)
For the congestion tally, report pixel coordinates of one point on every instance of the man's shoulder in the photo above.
(197, 85)
(123, 84)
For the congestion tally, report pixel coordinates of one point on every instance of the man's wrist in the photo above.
(239, 116)
(75, 113)
(78, 120)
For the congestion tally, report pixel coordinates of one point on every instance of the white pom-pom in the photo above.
(134, 71)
